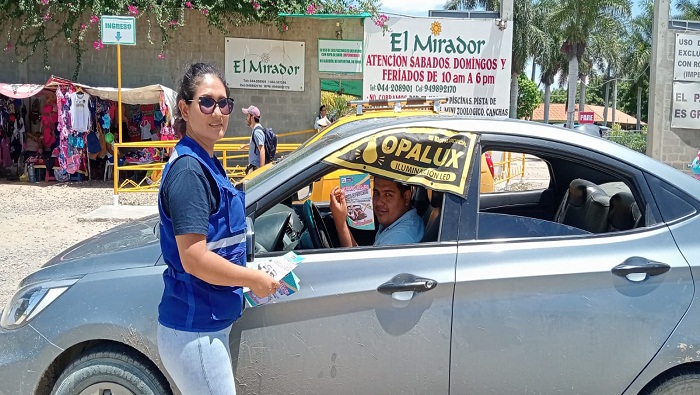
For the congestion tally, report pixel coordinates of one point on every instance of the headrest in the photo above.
(579, 190)
(624, 213)
(420, 199)
(435, 198)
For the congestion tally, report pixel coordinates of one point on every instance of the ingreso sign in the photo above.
(118, 29)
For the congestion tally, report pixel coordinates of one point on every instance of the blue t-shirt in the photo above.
(405, 230)
(257, 139)
(189, 196)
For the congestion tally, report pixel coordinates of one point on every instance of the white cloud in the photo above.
(411, 7)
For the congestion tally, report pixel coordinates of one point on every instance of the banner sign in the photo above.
(438, 159)
(118, 29)
(467, 60)
(339, 56)
(685, 112)
(264, 64)
(686, 61)
(586, 117)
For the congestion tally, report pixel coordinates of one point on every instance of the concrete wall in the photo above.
(196, 41)
(673, 146)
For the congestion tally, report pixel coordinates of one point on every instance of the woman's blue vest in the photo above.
(188, 303)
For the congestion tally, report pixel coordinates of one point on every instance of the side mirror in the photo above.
(249, 240)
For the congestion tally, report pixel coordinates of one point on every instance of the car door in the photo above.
(345, 331)
(561, 314)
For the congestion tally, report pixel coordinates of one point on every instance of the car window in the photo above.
(289, 224)
(547, 195)
(505, 171)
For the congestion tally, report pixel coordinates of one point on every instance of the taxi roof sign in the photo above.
(397, 105)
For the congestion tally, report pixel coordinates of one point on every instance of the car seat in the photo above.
(624, 212)
(585, 206)
(432, 216)
(420, 200)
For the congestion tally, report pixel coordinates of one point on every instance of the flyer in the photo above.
(280, 268)
(358, 196)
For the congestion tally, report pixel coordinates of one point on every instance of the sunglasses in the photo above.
(207, 105)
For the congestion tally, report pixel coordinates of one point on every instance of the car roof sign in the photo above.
(438, 159)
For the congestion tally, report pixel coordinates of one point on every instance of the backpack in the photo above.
(270, 144)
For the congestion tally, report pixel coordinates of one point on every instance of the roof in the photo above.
(557, 113)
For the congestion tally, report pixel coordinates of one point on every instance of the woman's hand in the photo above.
(263, 285)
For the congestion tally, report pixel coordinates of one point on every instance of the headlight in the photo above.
(31, 300)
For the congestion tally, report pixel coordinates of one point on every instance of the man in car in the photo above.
(399, 223)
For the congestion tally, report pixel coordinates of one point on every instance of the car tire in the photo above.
(110, 370)
(685, 382)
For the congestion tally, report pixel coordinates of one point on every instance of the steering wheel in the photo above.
(314, 223)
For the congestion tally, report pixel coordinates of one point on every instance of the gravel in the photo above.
(39, 220)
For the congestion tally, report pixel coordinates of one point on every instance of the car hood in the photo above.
(130, 245)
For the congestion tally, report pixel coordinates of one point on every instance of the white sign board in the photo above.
(686, 62)
(339, 56)
(686, 105)
(265, 64)
(118, 29)
(467, 60)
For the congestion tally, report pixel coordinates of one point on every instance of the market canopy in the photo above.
(144, 95)
(347, 87)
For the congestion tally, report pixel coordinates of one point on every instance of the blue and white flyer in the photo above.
(358, 196)
(280, 268)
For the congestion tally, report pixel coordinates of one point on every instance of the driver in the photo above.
(399, 223)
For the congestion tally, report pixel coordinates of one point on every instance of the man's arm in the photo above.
(339, 208)
(261, 149)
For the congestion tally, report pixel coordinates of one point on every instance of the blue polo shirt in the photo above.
(405, 230)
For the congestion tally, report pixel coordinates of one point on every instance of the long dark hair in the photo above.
(188, 87)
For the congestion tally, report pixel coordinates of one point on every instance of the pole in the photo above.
(119, 122)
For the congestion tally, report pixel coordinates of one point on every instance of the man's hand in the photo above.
(338, 205)
(339, 208)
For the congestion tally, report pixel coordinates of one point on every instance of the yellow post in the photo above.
(119, 122)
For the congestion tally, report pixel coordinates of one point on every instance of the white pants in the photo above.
(198, 362)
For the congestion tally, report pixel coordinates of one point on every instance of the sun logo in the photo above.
(436, 28)
(369, 154)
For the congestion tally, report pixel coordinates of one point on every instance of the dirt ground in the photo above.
(39, 220)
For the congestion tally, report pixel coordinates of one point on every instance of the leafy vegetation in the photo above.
(32, 25)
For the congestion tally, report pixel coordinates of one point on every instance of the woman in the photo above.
(202, 237)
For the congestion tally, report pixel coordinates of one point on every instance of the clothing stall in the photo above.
(72, 125)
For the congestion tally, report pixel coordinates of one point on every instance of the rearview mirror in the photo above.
(249, 240)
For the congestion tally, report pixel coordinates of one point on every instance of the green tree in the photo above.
(577, 19)
(528, 39)
(688, 10)
(32, 25)
(528, 97)
(637, 62)
(559, 96)
(550, 58)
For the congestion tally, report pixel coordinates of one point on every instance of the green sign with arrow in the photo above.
(118, 29)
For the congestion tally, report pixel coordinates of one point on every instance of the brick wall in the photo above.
(196, 41)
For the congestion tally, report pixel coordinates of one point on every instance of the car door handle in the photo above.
(637, 264)
(407, 282)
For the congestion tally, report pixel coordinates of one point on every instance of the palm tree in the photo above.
(527, 38)
(606, 47)
(639, 52)
(551, 60)
(577, 19)
(689, 10)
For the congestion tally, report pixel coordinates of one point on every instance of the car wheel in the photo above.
(110, 370)
(685, 382)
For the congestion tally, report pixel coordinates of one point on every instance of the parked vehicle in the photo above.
(582, 284)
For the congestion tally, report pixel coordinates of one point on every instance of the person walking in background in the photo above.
(256, 146)
(322, 120)
(202, 238)
(695, 166)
